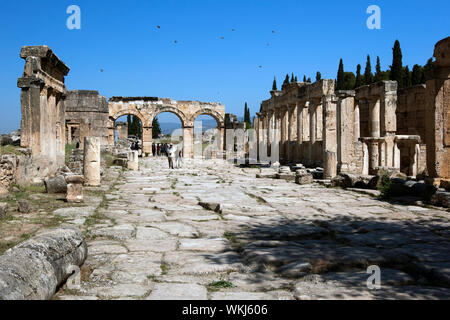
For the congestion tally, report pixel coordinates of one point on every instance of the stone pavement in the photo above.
(150, 239)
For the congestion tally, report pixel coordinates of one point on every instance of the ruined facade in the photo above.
(42, 105)
(360, 131)
(122, 130)
(147, 108)
(87, 115)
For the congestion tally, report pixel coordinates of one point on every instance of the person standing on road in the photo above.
(171, 153)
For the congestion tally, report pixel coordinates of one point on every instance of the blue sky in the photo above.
(139, 59)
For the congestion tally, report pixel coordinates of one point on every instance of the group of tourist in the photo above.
(170, 151)
(160, 149)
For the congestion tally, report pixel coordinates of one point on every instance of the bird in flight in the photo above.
(273, 31)
(175, 41)
(101, 70)
(159, 27)
(222, 38)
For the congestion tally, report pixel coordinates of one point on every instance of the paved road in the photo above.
(150, 239)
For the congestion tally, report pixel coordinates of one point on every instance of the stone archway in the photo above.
(147, 108)
(220, 120)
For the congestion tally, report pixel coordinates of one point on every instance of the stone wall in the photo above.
(375, 126)
(87, 115)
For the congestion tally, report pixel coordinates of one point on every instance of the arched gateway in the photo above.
(147, 108)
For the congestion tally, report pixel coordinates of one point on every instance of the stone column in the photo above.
(147, 138)
(329, 144)
(356, 124)
(312, 129)
(374, 156)
(374, 115)
(283, 124)
(188, 141)
(221, 144)
(91, 166)
(292, 131)
(133, 160)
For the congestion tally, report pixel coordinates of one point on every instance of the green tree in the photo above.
(274, 85)
(340, 76)
(378, 75)
(359, 80)
(304, 78)
(349, 81)
(292, 78)
(308, 80)
(295, 79)
(417, 75)
(318, 76)
(428, 70)
(406, 78)
(130, 129)
(396, 72)
(368, 76)
(156, 129)
(247, 120)
(286, 80)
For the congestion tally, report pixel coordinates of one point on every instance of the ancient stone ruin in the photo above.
(362, 131)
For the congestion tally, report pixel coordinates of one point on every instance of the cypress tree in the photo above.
(304, 78)
(396, 73)
(378, 76)
(286, 80)
(295, 79)
(417, 75)
(406, 77)
(309, 80)
(274, 85)
(368, 77)
(340, 76)
(318, 76)
(359, 80)
(292, 78)
(156, 129)
(428, 70)
(129, 124)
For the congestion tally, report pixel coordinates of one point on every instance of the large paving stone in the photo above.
(151, 245)
(178, 291)
(203, 244)
(177, 229)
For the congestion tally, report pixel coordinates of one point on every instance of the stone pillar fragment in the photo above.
(74, 188)
(147, 136)
(188, 141)
(133, 160)
(91, 165)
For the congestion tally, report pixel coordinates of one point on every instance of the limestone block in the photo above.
(3, 210)
(286, 176)
(24, 206)
(306, 178)
(74, 188)
(91, 166)
(56, 185)
(441, 198)
(34, 269)
(3, 192)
